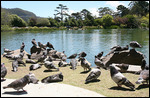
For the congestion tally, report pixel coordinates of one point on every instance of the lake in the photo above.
(75, 41)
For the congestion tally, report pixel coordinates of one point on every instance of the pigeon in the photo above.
(35, 66)
(94, 74)
(113, 48)
(30, 61)
(98, 62)
(82, 54)
(7, 50)
(19, 83)
(22, 47)
(73, 56)
(21, 62)
(33, 79)
(100, 55)
(42, 46)
(61, 55)
(123, 67)
(3, 71)
(119, 78)
(62, 64)
(84, 64)
(53, 78)
(73, 63)
(41, 59)
(144, 77)
(135, 44)
(50, 65)
(49, 45)
(15, 65)
(34, 42)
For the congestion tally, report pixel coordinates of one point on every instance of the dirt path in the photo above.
(47, 90)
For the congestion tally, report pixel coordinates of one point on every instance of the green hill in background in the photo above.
(21, 13)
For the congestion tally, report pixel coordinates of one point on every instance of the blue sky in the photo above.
(46, 8)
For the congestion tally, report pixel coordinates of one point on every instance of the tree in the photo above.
(62, 11)
(77, 15)
(43, 22)
(140, 8)
(107, 20)
(131, 23)
(105, 10)
(122, 10)
(85, 13)
(32, 21)
(53, 22)
(17, 21)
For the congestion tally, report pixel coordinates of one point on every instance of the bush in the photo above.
(16, 21)
(107, 20)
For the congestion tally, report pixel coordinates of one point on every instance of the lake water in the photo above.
(75, 41)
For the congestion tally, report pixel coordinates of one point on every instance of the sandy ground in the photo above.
(47, 90)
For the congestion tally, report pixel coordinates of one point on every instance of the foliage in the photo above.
(62, 11)
(5, 17)
(122, 10)
(105, 10)
(32, 21)
(16, 21)
(107, 20)
(42, 22)
(131, 23)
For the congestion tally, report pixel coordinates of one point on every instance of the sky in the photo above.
(46, 8)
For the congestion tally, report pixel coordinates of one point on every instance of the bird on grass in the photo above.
(3, 71)
(94, 74)
(84, 64)
(119, 78)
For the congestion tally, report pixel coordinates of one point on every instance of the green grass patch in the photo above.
(105, 86)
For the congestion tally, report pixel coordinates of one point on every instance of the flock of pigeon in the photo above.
(49, 55)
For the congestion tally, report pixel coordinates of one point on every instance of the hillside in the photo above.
(21, 13)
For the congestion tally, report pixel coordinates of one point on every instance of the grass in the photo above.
(104, 86)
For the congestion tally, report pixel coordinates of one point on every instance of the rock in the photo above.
(127, 56)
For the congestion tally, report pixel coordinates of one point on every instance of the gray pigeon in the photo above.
(99, 55)
(34, 42)
(50, 65)
(135, 44)
(21, 62)
(30, 61)
(119, 78)
(53, 78)
(73, 56)
(3, 71)
(98, 62)
(84, 64)
(49, 45)
(82, 54)
(144, 77)
(22, 47)
(41, 45)
(62, 64)
(19, 83)
(73, 63)
(123, 67)
(7, 50)
(94, 74)
(15, 65)
(35, 66)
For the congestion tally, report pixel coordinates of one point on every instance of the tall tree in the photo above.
(62, 11)
(105, 10)
(140, 8)
(122, 10)
(77, 15)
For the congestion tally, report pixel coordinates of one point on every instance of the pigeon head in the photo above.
(113, 70)
(139, 81)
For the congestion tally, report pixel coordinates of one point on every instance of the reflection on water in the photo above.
(76, 41)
